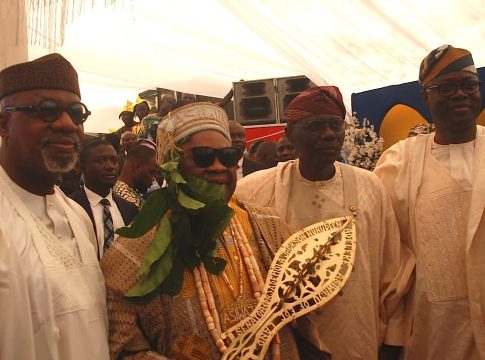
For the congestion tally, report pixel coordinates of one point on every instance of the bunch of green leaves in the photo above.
(189, 214)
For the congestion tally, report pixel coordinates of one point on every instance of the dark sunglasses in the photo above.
(49, 111)
(204, 156)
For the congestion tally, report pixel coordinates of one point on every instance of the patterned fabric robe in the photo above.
(175, 327)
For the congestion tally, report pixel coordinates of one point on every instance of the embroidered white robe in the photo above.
(368, 313)
(448, 304)
(52, 292)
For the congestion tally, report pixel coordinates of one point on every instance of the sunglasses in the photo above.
(204, 157)
(49, 111)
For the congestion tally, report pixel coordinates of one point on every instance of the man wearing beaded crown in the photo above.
(52, 292)
(316, 187)
(436, 185)
(189, 325)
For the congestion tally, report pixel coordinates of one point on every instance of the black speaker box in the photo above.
(287, 89)
(259, 102)
(254, 102)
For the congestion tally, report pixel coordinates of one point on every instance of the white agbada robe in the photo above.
(368, 312)
(52, 292)
(438, 193)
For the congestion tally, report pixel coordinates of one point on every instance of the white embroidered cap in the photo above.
(187, 120)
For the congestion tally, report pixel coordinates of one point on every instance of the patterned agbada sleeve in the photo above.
(268, 229)
(126, 340)
(120, 265)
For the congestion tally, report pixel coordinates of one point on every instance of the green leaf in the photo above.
(214, 265)
(158, 273)
(191, 258)
(203, 191)
(177, 178)
(174, 281)
(149, 215)
(188, 202)
(170, 165)
(211, 221)
(199, 214)
(145, 299)
(181, 227)
(158, 246)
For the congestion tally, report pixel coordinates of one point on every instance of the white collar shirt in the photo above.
(457, 159)
(97, 209)
(239, 171)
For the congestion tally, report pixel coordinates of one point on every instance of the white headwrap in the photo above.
(187, 120)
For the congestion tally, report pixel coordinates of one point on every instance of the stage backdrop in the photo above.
(395, 109)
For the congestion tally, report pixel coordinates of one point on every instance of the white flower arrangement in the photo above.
(362, 146)
(421, 129)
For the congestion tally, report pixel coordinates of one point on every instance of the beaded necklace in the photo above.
(206, 298)
(235, 296)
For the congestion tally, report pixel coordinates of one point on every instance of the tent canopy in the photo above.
(201, 47)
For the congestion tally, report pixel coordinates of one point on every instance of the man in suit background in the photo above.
(246, 166)
(99, 165)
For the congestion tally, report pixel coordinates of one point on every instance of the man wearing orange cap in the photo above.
(52, 295)
(436, 185)
(316, 187)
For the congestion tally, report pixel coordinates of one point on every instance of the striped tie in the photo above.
(108, 224)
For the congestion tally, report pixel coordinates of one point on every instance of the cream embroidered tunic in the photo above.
(51, 286)
(438, 193)
(355, 324)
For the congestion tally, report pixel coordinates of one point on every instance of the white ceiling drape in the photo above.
(203, 46)
(14, 47)
(362, 45)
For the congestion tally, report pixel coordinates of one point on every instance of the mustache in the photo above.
(63, 138)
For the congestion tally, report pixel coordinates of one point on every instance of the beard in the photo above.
(60, 162)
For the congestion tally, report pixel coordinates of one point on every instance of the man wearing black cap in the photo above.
(436, 185)
(51, 291)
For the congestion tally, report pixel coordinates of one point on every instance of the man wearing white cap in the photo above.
(192, 270)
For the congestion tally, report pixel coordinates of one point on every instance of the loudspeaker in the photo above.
(254, 102)
(287, 89)
(259, 102)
